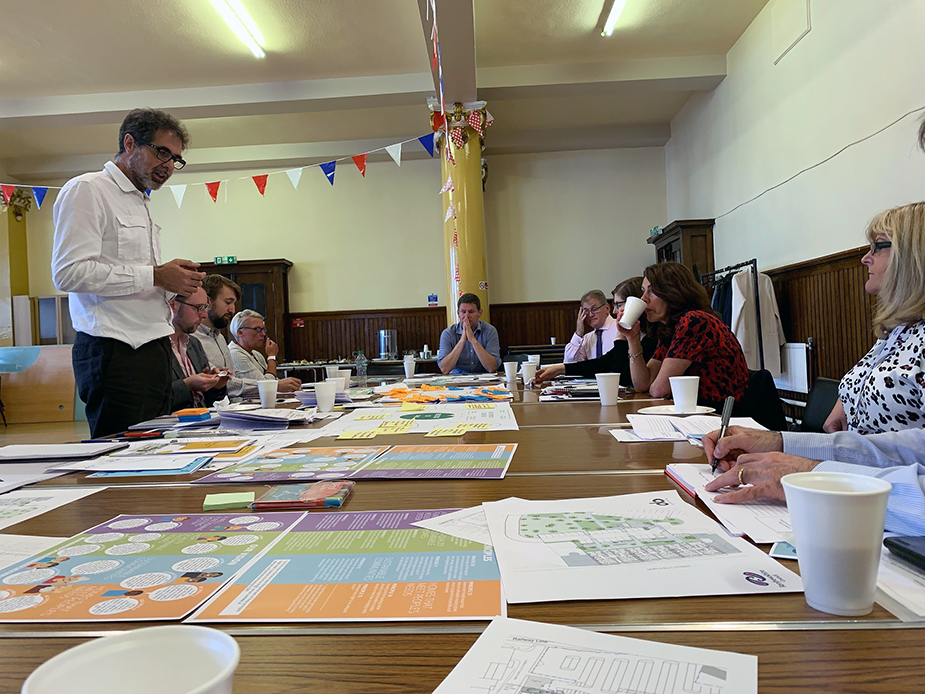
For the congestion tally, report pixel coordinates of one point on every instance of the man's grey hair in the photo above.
(240, 318)
(595, 294)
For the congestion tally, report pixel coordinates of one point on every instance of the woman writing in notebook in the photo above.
(691, 339)
(885, 390)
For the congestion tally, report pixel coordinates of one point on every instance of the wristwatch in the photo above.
(272, 357)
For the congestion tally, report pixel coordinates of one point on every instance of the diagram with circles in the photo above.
(134, 568)
(295, 464)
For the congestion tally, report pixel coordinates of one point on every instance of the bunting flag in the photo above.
(448, 185)
(294, 176)
(458, 135)
(474, 119)
(178, 193)
(450, 212)
(395, 152)
(455, 238)
(428, 142)
(449, 154)
(328, 169)
(260, 182)
(360, 161)
(457, 272)
(439, 120)
(7, 192)
(39, 194)
(212, 187)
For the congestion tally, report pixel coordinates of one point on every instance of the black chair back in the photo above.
(822, 398)
(762, 402)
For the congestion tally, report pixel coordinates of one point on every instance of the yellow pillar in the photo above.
(6, 296)
(464, 235)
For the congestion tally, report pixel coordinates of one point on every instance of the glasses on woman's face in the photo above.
(877, 246)
(259, 331)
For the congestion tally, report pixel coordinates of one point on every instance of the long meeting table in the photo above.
(564, 451)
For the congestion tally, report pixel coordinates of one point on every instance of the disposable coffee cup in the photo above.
(510, 370)
(331, 371)
(632, 309)
(345, 375)
(528, 371)
(267, 392)
(409, 367)
(179, 659)
(837, 521)
(552, 340)
(534, 359)
(325, 392)
(338, 384)
(608, 384)
(684, 393)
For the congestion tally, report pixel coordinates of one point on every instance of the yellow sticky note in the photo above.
(384, 415)
(412, 407)
(477, 425)
(480, 406)
(371, 434)
(452, 431)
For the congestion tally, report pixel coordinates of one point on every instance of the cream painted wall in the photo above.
(562, 223)
(861, 67)
(557, 225)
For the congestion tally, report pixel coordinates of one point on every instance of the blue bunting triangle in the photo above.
(39, 195)
(328, 168)
(428, 142)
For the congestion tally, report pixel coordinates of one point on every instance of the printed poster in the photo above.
(297, 464)
(459, 461)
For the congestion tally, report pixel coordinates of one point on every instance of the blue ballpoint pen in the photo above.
(727, 414)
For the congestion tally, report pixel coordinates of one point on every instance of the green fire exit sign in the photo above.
(225, 259)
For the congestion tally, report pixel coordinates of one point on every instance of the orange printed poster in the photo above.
(363, 566)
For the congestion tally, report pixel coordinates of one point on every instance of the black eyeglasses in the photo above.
(163, 154)
(199, 307)
(618, 304)
(596, 308)
(259, 331)
(877, 246)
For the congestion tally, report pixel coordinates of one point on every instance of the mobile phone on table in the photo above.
(908, 547)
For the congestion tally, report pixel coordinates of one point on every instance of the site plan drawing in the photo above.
(513, 656)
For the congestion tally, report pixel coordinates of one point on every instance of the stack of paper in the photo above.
(265, 419)
(57, 451)
(654, 427)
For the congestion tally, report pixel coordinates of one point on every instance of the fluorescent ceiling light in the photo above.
(242, 24)
(615, 11)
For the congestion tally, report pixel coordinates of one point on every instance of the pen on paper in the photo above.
(727, 413)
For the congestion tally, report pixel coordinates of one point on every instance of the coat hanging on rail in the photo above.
(745, 323)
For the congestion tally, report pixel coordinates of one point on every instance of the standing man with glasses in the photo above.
(107, 256)
(249, 347)
(195, 383)
(595, 331)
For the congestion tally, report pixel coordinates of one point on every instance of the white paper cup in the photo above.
(837, 520)
(331, 371)
(684, 393)
(510, 370)
(632, 309)
(608, 384)
(325, 392)
(267, 392)
(179, 659)
(534, 359)
(345, 375)
(409, 367)
(552, 340)
(528, 371)
(338, 384)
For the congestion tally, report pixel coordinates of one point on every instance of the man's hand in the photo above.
(467, 332)
(549, 372)
(763, 471)
(222, 379)
(178, 276)
(739, 440)
(288, 385)
(271, 348)
(581, 325)
(200, 383)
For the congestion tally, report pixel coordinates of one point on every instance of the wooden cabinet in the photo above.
(686, 241)
(264, 289)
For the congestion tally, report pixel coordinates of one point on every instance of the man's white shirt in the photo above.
(585, 347)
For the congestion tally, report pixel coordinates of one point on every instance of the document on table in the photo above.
(467, 523)
(16, 475)
(440, 416)
(649, 545)
(902, 582)
(763, 520)
(656, 427)
(16, 548)
(653, 427)
(516, 655)
(142, 462)
(22, 504)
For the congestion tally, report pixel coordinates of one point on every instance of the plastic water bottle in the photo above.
(361, 363)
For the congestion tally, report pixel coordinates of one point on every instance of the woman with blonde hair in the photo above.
(885, 390)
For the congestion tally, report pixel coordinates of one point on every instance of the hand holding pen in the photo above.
(727, 414)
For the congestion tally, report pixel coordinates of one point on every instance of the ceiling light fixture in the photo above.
(615, 11)
(242, 24)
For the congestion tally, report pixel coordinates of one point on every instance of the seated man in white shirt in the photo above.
(251, 343)
(596, 330)
(195, 383)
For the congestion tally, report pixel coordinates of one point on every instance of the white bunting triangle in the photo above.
(294, 176)
(450, 212)
(448, 185)
(395, 152)
(178, 193)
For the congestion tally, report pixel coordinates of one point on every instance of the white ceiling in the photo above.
(346, 76)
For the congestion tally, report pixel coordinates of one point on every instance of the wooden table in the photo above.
(565, 452)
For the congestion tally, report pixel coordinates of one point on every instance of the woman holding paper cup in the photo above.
(885, 391)
(692, 340)
(616, 360)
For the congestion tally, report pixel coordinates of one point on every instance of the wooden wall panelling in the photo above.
(534, 323)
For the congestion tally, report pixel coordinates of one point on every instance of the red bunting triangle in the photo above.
(360, 161)
(439, 120)
(7, 191)
(260, 182)
(213, 189)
